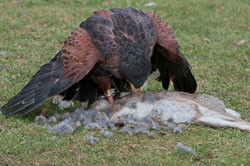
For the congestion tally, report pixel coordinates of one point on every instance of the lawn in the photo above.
(31, 32)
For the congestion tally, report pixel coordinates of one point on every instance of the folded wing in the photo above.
(168, 59)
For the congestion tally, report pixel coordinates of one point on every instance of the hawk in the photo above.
(121, 45)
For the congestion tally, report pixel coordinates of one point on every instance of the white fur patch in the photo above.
(233, 112)
(140, 111)
(85, 104)
(178, 112)
(57, 99)
(65, 104)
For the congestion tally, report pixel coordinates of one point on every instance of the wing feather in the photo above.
(169, 60)
(79, 55)
(166, 39)
(179, 73)
(75, 60)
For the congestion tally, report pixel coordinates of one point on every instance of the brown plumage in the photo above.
(122, 46)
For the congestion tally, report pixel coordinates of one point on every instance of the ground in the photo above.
(207, 31)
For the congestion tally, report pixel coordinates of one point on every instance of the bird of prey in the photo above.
(121, 45)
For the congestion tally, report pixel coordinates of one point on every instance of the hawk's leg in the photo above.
(104, 83)
(110, 97)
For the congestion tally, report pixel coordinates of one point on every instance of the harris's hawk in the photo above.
(121, 45)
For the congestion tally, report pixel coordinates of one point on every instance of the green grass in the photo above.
(32, 32)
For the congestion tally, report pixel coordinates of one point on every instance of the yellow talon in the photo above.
(135, 89)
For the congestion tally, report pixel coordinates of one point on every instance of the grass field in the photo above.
(31, 32)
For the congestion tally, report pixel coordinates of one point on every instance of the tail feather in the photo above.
(28, 89)
(47, 82)
(18, 108)
(34, 106)
(26, 94)
(17, 99)
(24, 99)
(84, 90)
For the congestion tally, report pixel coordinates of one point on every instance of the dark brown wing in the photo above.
(76, 58)
(79, 55)
(127, 33)
(169, 60)
(166, 39)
